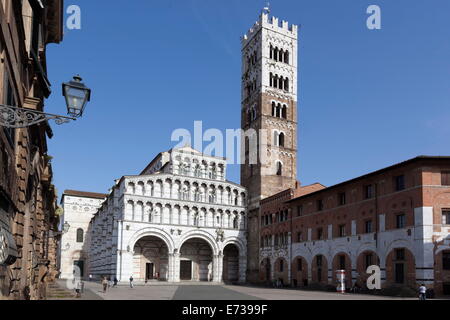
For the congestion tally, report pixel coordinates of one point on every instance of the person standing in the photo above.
(105, 284)
(115, 282)
(131, 282)
(423, 292)
(78, 289)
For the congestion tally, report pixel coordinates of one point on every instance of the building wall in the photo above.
(421, 238)
(78, 212)
(29, 192)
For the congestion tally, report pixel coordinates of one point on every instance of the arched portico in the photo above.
(196, 260)
(150, 259)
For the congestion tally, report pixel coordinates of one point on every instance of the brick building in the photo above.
(27, 195)
(397, 218)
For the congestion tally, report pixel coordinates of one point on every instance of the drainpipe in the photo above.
(377, 222)
(290, 239)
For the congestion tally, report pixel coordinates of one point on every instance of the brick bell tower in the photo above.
(269, 107)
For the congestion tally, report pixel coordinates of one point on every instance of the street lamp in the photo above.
(76, 95)
(66, 227)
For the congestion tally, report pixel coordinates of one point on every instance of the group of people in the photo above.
(108, 283)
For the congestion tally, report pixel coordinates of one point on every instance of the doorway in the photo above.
(185, 270)
(78, 266)
(149, 271)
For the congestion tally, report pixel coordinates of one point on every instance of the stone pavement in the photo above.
(204, 291)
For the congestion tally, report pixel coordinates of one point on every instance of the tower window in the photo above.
(281, 139)
(279, 169)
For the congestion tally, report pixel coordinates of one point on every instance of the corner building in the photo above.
(179, 220)
(397, 218)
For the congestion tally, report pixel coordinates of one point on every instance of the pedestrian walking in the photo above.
(115, 282)
(423, 292)
(109, 282)
(105, 284)
(78, 289)
(131, 282)
(90, 277)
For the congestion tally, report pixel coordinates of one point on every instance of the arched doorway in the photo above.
(365, 260)
(230, 263)
(342, 261)
(319, 269)
(281, 271)
(300, 272)
(265, 270)
(401, 268)
(196, 261)
(150, 259)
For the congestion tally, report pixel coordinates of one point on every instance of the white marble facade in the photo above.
(79, 208)
(178, 220)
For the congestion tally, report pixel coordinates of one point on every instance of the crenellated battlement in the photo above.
(272, 23)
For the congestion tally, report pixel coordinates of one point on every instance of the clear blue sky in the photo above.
(367, 99)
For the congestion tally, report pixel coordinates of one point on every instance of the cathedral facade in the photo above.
(179, 220)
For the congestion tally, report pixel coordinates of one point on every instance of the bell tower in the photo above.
(269, 107)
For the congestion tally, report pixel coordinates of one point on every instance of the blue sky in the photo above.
(367, 99)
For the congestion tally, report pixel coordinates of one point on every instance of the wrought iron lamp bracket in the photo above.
(15, 118)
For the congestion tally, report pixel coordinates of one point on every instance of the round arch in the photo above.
(147, 232)
(201, 235)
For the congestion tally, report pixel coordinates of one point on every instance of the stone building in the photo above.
(27, 195)
(269, 118)
(179, 220)
(397, 218)
(79, 208)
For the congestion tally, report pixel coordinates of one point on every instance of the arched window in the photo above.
(276, 54)
(274, 109)
(271, 79)
(286, 57)
(235, 223)
(284, 112)
(279, 110)
(80, 235)
(271, 52)
(286, 84)
(281, 140)
(279, 168)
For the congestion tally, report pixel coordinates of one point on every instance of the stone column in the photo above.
(176, 267)
(218, 268)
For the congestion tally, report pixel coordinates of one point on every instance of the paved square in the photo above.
(199, 292)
